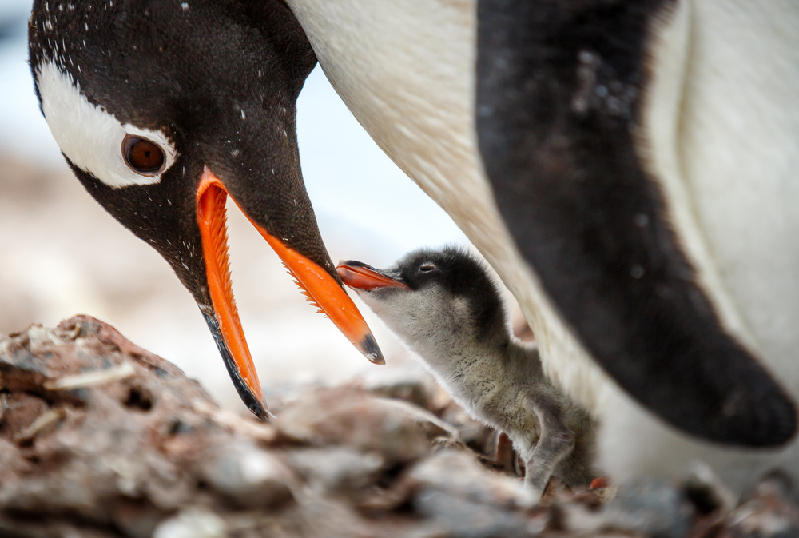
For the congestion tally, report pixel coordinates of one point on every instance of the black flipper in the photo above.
(559, 96)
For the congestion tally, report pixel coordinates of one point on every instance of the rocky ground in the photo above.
(101, 438)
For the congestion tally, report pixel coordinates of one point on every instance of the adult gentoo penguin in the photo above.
(641, 154)
(160, 125)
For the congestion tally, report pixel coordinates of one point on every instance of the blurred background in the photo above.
(61, 254)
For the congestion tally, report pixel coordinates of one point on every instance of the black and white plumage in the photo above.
(628, 168)
(163, 109)
(444, 305)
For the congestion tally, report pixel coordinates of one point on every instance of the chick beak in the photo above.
(363, 277)
(320, 287)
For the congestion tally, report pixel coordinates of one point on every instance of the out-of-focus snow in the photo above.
(23, 130)
(64, 255)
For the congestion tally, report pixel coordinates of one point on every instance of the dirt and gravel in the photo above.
(100, 438)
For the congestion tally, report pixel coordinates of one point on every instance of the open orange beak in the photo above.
(320, 287)
(363, 277)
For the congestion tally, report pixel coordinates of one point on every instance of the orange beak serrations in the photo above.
(327, 295)
(211, 217)
(363, 277)
(320, 287)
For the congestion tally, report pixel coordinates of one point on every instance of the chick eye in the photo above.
(142, 156)
(426, 268)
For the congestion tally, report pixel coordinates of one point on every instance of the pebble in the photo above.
(344, 416)
(192, 524)
(649, 506)
(409, 382)
(458, 473)
(252, 477)
(338, 470)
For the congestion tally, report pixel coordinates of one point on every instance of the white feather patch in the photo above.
(90, 137)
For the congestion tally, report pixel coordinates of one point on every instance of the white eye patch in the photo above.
(91, 137)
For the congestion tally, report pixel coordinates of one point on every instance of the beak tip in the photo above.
(371, 350)
(260, 410)
(343, 271)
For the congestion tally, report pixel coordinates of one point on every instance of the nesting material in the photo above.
(99, 438)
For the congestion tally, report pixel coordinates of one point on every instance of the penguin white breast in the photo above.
(739, 146)
(405, 70)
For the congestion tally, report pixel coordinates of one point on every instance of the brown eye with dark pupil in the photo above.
(143, 156)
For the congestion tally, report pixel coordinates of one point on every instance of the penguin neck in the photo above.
(406, 72)
(381, 57)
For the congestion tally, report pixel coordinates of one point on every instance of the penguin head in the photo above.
(162, 110)
(446, 291)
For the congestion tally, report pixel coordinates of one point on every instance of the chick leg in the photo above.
(555, 443)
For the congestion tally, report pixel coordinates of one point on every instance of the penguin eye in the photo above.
(426, 268)
(142, 156)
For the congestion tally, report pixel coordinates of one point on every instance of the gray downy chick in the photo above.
(447, 309)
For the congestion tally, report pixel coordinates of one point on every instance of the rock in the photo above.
(338, 471)
(464, 498)
(99, 438)
(453, 515)
(651, 507)
(99, 429)
(192, 524)
(347, 416)
(458, 472)
(251, 477)
(768, 514)
(409, 382)
(92, 446)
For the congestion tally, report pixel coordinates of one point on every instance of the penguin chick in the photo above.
(447, 309)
